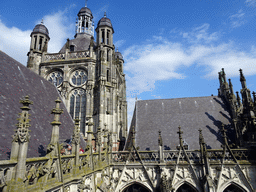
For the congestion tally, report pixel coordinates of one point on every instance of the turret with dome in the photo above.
(88, 74)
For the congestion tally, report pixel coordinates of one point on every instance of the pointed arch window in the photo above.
(79, 77)
(78, 107)
(55, 78)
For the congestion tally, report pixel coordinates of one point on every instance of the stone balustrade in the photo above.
(53, 57)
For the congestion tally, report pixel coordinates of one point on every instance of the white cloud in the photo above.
(237, 19)
(16, 42)
(60, 28)
(161, 60)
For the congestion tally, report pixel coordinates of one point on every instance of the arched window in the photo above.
(72, 48)
(136, 187)
(55, 78)
(233, 188)
(79, 77)
(186, 188)
(78, 107)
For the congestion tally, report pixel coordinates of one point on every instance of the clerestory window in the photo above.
(78, 107)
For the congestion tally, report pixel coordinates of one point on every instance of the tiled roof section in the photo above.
(16, 82)
(80, 43)
(207, 113)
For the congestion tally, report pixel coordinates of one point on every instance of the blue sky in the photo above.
(171, 48)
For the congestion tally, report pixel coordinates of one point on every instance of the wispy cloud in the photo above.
(119, 43)
(250, 2)
(200, 34)
(237, 19)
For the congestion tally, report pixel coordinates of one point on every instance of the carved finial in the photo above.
(201, 137)
(57, 111)
(105, 14)
(242, 78)
(116, 49)
(223, 131)
(180, 136)
(22, 132)
(86, 3)
(160, 140)
(26, 102)
(42, 22)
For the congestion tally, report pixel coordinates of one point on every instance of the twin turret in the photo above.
(39, 45)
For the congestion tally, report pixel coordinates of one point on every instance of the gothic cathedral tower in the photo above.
(88, 75)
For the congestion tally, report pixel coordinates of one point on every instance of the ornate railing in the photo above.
(51, 57)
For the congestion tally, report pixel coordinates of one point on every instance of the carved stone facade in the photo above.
(88, 75)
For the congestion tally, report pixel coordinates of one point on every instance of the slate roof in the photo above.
(40, 28)
(207, 113)
(81, 42)
(16, 82)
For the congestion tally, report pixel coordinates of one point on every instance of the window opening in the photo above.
(79, 77)
(40, 43)
(108, 37)
(108, 78)
(35, 39)
(78, 107)
(102, 36)
(55, 78)
(72, 48)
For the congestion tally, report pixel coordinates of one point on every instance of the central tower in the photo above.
(89, 76)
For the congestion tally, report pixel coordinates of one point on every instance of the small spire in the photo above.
(86, 3)
(238, 99)
(160, 140)
(116, 49)
(105, 14)
(42, 22)
(242, 79)
(180, 136)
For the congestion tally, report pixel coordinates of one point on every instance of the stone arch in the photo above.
(239, 186)
(146, 187)
(186, 183)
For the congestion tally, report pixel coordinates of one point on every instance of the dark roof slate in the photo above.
(16, 82)
(80, 43)
(207, 113)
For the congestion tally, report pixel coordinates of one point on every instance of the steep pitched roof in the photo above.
(207, 113)
(16, 82)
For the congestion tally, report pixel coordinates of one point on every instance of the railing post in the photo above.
(160, 144)
(76, 144)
